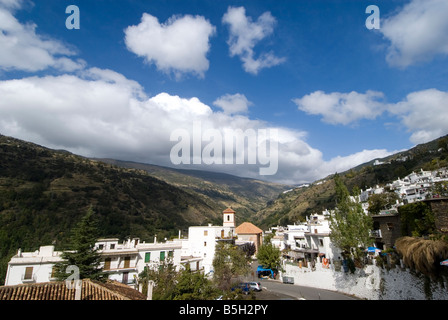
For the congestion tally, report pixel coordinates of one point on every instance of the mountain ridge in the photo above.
(300, 202)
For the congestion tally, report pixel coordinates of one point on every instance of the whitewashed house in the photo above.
(202, 240)
(308, 241)
(122, 261)
(32, 267)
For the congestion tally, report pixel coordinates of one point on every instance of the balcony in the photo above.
(375, 234)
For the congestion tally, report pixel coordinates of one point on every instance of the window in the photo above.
(28, 273)
(205, 243)
(205, 232)
(162, 255)
(107, 263)
(101, 247)
(112, 246)
(127, 262)
(147, 256)
(170, 254)
(390, 226)
(125, 278)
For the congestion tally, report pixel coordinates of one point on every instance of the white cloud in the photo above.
(424, 113)
(343, 163)
(233, 104)
(179, 46)
(245, 34)
(417, 33)
(342, 108)
(114, 118)
(23, 49)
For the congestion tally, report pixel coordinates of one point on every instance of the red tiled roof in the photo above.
(228, 210)
(91, 290)
(247, 228)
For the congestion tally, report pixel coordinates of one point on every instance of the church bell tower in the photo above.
(228, 218)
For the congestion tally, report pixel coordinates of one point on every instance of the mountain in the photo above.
(44, 192)
(246, 196)
(296, 204)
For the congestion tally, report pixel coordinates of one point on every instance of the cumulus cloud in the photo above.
(244, 34)
(424, 113)
(342, 108)
(233, 103)
(23, 49)
(115, 118)
(178, 46)
(417, 33)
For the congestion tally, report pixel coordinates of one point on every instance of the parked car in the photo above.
(255, 286)
(243, 286)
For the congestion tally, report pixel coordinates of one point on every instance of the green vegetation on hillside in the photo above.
(296, 205)
(44, 193)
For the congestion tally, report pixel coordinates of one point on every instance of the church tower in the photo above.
(228, 218)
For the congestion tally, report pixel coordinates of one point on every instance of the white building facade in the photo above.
(307, 241)
(124, 261)
(121, 261)
(202, 240)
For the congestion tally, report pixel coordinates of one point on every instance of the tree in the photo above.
(84, 255)
(194, 286)
(378, 202)
(164, 276)
(170, 284)
(229, 262)
(269, 256)
(350, 226)
(249, 249)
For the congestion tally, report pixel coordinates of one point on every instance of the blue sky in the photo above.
(135, 71)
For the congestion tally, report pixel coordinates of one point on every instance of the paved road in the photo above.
(276, 290)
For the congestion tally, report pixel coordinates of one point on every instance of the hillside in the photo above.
(246, 196)
(297, 204)
(44, 192)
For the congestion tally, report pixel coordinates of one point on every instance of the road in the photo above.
(276, 290)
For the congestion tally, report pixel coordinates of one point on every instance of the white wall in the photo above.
(371, 283)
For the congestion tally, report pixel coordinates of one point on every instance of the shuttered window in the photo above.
(127, 262)
(28, 273)
(147, 256)
(107, 263)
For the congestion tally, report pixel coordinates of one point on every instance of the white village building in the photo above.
(307, 241)
(124, 261)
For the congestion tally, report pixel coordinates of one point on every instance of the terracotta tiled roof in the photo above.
(247, 228)
(91, 290)
(228, 210)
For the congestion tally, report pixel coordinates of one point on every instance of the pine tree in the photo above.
(83, 254)
(350, 226)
